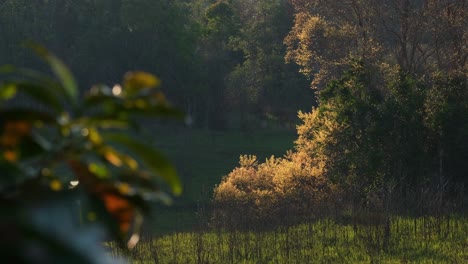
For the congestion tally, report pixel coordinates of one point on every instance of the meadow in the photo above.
(412, 240)
(181, 233)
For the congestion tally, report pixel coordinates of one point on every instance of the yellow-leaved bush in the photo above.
(285, 190)
(279, 190)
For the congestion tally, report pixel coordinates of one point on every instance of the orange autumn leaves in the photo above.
(115, 197)
(13, 132)
(120, 209)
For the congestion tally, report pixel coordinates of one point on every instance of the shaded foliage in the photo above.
(202, 50)
(74, 172)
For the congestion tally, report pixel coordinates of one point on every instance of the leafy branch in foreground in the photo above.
(74, 166)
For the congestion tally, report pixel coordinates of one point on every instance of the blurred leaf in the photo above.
(120, 208)
(13, 131)
(152, 158)
(29, 74)
(94, 136)
(15, 74)
(11, 136)
(55, 185)
(102, 122)
(111, 156)
(42, 141)
(10, 174)
(82, 173)
(117, 158)
(10, 155)
(145, 185)
(36, 147)
(159, 196)
(61, 242)
(60, 70)
(37, 92)
(16, 137)
(116, 107)
(120, 204)
(138, 178)
(7, 91)
(135, 81)
(99, 170)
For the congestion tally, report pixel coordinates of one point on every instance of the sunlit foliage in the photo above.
(266, 192)
(421, 37)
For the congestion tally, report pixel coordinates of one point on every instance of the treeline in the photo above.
(220, 61)
(390, 133)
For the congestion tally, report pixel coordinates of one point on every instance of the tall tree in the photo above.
(409, 34)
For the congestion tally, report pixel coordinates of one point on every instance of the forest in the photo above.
(268, 131)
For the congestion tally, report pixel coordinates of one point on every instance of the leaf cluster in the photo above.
(77, 163)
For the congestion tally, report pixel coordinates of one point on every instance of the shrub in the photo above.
(280, 190)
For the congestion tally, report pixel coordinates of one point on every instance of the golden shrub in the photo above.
(270, 192)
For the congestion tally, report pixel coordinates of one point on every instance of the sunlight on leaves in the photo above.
(152, 158)
(112, 156)
(135, 81)
(10, 155)
(99, 170)
(7, 91)
(55, 185)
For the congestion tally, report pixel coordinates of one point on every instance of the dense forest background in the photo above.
(221, 62)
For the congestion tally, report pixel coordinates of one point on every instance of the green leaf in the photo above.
(37, 92)
(49, 90)
(7, 91)
(60, 70)
(154, 160)
(99, 170)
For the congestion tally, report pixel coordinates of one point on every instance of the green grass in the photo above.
(202, 158)
(421, 240)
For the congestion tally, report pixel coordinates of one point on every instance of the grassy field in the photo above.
(417, 240)
(202, 158)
